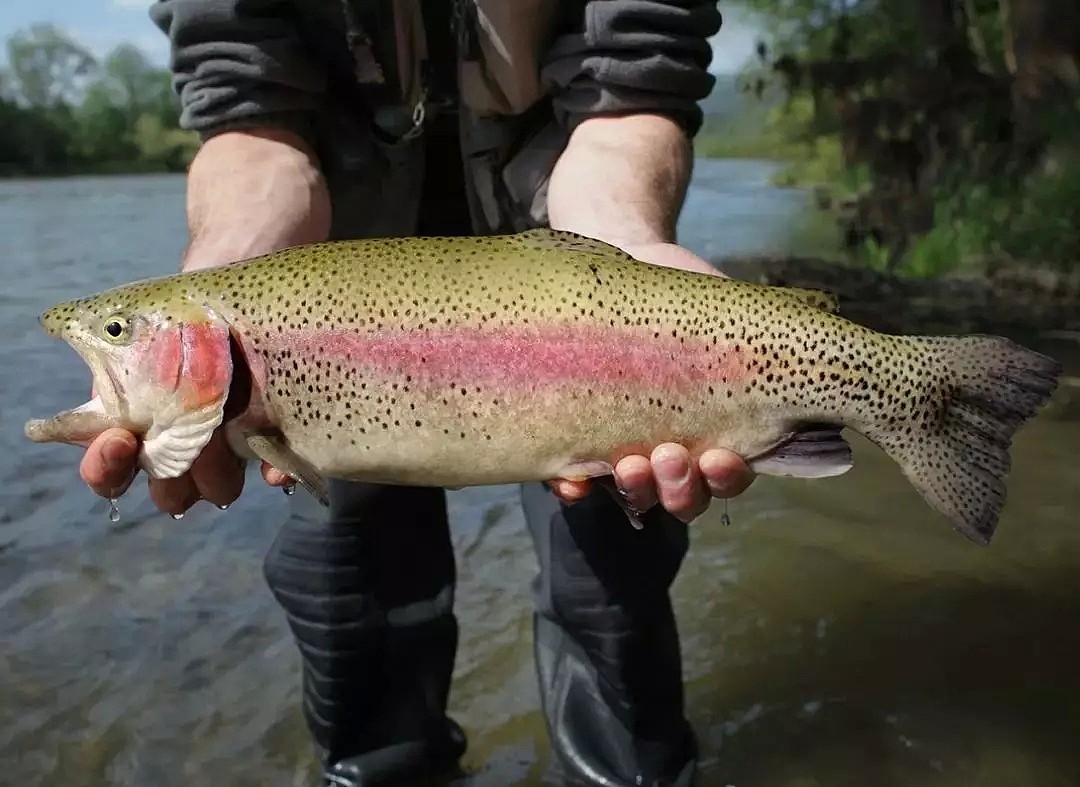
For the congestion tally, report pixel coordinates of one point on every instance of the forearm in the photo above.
(251, 192)
(622, 180)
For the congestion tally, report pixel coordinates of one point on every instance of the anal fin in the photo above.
(819, 451)
(272, 448)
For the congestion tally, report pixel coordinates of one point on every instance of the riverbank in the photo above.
(962, 223)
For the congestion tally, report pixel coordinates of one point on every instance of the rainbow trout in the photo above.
(471, 361)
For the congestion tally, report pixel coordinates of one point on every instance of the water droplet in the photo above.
(223, 507)
(177, 516)
(725, 518)
(289, 490)
(114, 510)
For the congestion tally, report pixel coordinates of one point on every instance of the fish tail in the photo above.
(955, 450)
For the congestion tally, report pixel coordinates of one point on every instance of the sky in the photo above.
(102, 24)
(98, 25)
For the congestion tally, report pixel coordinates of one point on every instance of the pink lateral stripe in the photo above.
(558, 354)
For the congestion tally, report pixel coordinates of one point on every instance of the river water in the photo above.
(837, 633)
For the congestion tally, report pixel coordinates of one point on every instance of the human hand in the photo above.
(669, 475)
(110, 464)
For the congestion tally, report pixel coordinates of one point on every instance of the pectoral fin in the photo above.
(271, 447)
(171, 446)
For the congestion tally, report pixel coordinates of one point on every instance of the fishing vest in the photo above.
(509, 139)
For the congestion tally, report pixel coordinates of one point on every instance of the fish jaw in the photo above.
(77, 426)
(167, 384)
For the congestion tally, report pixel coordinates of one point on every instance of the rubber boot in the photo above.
(369, 593)
(606, 643)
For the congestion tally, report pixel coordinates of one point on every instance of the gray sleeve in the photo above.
(237, 63)
(630, 56)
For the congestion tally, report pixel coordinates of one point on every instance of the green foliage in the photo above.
(820, 164)
(755, 129)
(46, 65)
(63, 113)
(945, 131)
(165, 147)
(977, 223)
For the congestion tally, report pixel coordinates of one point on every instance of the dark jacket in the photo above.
(286, 63)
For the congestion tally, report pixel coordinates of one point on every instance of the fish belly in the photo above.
(465, 407)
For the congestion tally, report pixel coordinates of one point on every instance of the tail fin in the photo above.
(957, 453)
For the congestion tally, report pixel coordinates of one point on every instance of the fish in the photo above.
(539, 355)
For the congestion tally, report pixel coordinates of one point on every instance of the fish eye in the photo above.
(115, 328)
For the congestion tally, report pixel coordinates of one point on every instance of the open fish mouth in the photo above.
(80, 425)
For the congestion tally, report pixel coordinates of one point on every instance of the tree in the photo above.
(133, 80)
(929, 96)
(47, 66)
(103, 127)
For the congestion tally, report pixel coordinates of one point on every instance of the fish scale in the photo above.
(483, 360)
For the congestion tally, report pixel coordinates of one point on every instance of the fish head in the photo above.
(161, 365)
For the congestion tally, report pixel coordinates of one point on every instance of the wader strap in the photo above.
(372, 39)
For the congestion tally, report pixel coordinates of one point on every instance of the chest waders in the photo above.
(369, 587)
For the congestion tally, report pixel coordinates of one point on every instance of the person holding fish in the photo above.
(509, 350)
(368, 119)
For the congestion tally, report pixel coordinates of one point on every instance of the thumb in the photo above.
(275, 477)
(109, 464)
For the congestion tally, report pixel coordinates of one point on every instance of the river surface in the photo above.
(837, 633)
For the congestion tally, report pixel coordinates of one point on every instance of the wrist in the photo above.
(622, 180)
(251, 192)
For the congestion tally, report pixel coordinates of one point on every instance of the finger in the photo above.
(174, 495)
(678, 484)
(217, 473)
(275, 477)
(726, 474)
(570, 491)
(110, 462)
(634, 476)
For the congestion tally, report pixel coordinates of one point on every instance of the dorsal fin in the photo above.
(819, 299)
(570, 241)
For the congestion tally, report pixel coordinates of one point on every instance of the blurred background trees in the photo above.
(946, 131)
(63, 112)
(941, 135)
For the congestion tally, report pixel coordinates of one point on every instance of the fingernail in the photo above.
(671, 469)
(719, 490)
(115, 453)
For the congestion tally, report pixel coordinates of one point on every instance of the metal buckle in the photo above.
(419, 115)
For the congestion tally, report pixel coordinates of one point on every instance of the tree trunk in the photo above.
(1046, 45)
